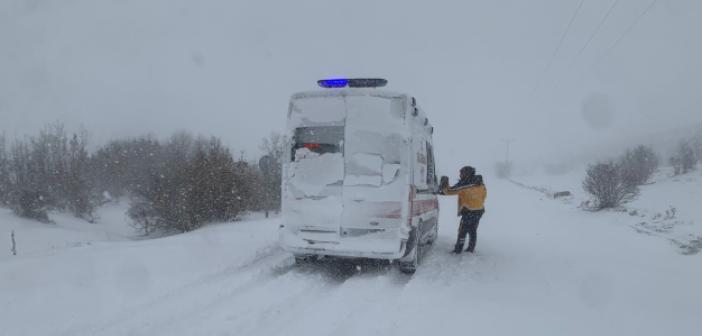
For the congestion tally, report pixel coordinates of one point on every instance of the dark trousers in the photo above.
(469, 226)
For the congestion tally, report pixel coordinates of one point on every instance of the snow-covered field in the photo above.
(35, 238)
(543, 267)
(668, 207)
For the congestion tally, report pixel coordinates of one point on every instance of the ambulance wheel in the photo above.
(408, 264)
(302, 259)
(435, 234)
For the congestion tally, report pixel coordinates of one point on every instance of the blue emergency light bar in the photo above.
(352, 82)
(333, 83)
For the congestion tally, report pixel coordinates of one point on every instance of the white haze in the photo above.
(479, 68)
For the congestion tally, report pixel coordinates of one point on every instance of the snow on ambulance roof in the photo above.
(335, 92)
(340, 90)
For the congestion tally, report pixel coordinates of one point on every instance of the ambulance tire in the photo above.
(409, 263)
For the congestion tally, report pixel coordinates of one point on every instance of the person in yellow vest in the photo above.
(471, 193)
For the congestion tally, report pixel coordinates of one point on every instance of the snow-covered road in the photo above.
(542, 268)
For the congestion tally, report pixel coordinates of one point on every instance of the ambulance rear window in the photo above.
(324, 139)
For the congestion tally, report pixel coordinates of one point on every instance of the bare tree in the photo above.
(212, 180)
(79, 192)
(122, 167)
(274, 145)
(180, 184)
(47, 171)
(36, 174)
(4, 172)
(697, 146)
(683, 159)
(271, 165)
(605, 182)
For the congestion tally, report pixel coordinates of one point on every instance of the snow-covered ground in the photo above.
(543, 267)
(668, 207)
(34, 237)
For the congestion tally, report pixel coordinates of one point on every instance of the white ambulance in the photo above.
(360, 178)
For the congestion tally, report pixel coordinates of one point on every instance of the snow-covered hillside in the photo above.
(34, 237)
(543, 267)
(667, 208)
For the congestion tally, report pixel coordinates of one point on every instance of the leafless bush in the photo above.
(638, 165)
(197, 182)
(144, 217)
(178, 184)
(30, 204)
(606, 183)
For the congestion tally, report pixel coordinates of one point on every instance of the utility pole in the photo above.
(507, 144)
(504, 169)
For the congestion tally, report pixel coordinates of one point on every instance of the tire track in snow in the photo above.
(225, 293)
(274, 311)
(269, 293)
(359, 297)
(346, 299)
(359, 305)
(246, 274)
(246, 309)
(293, 294)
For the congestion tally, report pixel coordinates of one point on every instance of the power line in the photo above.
(628, 29)
(565, 33)
(558, 46)
(599, 26)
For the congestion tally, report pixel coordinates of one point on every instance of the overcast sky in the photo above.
(484, 71)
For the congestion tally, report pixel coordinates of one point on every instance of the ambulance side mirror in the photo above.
(444, 183)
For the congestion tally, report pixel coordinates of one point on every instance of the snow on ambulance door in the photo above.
(426, 202)
(375, 182)
(315, 174)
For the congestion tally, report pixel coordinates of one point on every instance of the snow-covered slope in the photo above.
(67, 231)
(667, 208)
(543, 267)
